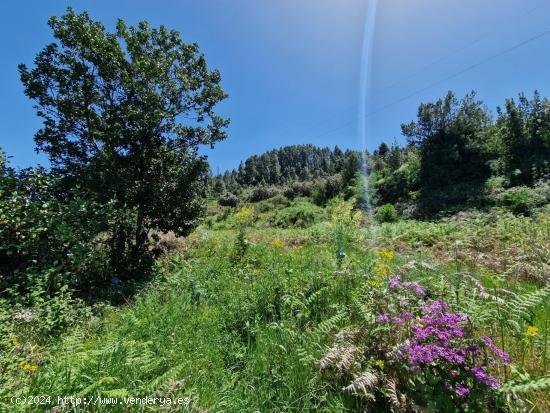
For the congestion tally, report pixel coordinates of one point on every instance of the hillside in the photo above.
(289, 319)
(411, 279)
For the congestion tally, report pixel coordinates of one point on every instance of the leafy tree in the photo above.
(124, 114)
(453, 158)
(523, 131)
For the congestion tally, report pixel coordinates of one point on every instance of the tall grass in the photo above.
(247, 335)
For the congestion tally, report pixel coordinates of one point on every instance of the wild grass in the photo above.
(251, 334)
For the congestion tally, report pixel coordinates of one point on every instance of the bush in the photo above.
(523, 200)
(261, 193)
(277, 202)
(299, 189)
(229, 200)
(301, 214)
(386, 213)
(328, 189)
(48, 240)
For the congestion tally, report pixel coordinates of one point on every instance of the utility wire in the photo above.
(436, 83)
(461, 48)
(433, 63)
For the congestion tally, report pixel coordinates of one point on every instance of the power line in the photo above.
(436, 83)
(432, 63)
(461, 48)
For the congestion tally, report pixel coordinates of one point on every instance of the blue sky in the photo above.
(292, 67)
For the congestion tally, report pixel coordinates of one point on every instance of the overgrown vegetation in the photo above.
(290, 294)
(320, 319)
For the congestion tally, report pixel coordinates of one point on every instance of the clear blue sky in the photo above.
(292, 67)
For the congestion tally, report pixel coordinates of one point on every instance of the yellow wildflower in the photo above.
(379, 363)
(244, 216)
(32, 367)
(386, 255)
(29, 367)
(383, 266)
(277, 243)
(374, 283)
(532, 331)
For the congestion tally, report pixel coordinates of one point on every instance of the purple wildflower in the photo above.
(394, 283)
(481, 375)
(498, 352)
(383, 318)
(461, 390)
(418, 290)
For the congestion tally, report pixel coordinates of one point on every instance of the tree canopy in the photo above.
(124, 114)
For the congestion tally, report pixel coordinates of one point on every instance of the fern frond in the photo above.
(326, 326)
(166, 378)
(104, 381)
(340, 356)
(116, 393)
(540, 384)
(523, 305)
(362, 384)
(393, 395)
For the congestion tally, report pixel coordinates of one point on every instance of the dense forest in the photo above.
(457, 157)
(411, 279)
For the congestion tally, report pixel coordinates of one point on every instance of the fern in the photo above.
(523, 305)
(116, 393)
(168, 377)
(540, 384)
(315, 336)
(362, 384)
(326, 326)
(104, 381)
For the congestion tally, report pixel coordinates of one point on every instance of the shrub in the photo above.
(261, 193)
(275, 203)
(386, 213)
(523, 200)
(298, 189)
(229, 200)
(327, 189)
(301, 214)
(46, 239)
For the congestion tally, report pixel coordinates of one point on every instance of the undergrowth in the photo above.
(313, 319)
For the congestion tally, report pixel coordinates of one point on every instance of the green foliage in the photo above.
(296, 171)
(541, 384)
(235, 334)
(240, 246)
(524, 200)
(386, 213)
(397, 185)
(114, 125)
(523, 140)
(450, 136)
(229, 200)
(48, 242)
(299, 189)
(327, 189)
(300, 214)
(455, 146)
(262, 193)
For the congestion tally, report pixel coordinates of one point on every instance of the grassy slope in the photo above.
(245, 336)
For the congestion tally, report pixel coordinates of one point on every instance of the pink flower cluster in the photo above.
(396, 283)
(438, 338)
